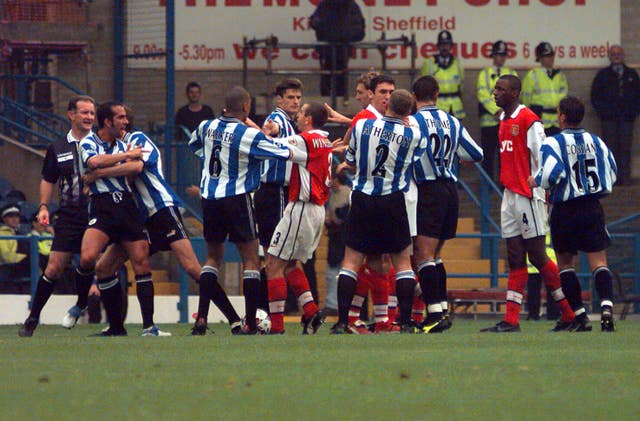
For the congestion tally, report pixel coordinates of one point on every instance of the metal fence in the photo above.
(54, 11)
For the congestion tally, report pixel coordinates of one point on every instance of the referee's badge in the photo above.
(515, 129)
(92, 221)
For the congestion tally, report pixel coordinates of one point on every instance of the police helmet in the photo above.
(499, 48)
(544, 49)
(444, 37)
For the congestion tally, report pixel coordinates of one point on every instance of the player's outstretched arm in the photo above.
(336, 117)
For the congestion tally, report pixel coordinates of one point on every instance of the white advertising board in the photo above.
(209, 33)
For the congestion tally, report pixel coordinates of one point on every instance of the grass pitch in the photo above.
(461, 374)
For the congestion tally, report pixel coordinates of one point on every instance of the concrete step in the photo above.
(473, 283)
(460, 251)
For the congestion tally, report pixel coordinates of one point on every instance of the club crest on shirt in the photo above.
(515, 129)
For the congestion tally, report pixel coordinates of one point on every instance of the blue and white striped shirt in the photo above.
(151, 190)
(383, 151)
(575, 163)
(232, 154)
(92, 146)
(273, 170)
(447, 139)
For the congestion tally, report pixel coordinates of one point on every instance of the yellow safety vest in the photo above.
(450, 80)
(45, 242)
(9, 248)
(550, 252)
(487, 79)
(543, 94)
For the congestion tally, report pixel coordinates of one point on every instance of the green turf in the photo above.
(461, 374)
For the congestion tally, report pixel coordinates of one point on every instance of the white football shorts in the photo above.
(521, 216)
(298, 233)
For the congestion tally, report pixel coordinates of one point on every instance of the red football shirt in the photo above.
(311, 172)
(520, 137)
(369, 113)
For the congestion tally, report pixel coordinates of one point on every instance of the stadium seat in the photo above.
(5, 187)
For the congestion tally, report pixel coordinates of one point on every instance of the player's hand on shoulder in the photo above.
(270, 128)
(336, 117)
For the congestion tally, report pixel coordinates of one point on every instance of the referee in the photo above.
(62, 167)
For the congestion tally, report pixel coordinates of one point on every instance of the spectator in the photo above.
(337, 211)
(615, 95)
(14, 257)
(450, 76)
(543, 87)
(338, 22)
(193, 113)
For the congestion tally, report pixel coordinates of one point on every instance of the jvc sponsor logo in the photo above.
(506, 145)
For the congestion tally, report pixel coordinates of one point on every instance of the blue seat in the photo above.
(5, 187)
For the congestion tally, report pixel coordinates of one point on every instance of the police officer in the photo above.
(543, 88)
(487, 108)
(449, 74)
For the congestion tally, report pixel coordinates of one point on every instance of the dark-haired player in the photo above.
(523, 213)
(577, 168)
(297, 234)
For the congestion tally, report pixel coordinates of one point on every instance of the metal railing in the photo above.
(271, 43)
(25, 123)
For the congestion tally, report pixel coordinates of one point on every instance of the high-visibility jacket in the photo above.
(550, 252)
(450, 80)
(9, 248)
(45, 242)
(542, 94)
(487, 107)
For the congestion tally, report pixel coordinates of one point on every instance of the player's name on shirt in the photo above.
(387, 135)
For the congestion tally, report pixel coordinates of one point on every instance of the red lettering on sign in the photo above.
(251, 53)
(371, 3)
(294, 3)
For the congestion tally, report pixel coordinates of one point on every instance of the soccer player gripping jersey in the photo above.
(437, 216)
(371, 275)
(271, 197)
(232, 153)
(578, 168)
(297, 234)
(114, 216)
(523, 211)
(159, 208)
(382, 151)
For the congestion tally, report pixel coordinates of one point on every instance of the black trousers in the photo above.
(327, 62)
(618, 135)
